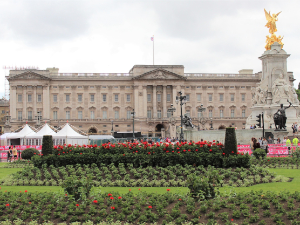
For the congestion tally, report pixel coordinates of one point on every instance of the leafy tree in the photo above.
(230, 141)
(47, 146)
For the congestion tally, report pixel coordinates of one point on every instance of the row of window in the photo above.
(129, 115)
(29, 98)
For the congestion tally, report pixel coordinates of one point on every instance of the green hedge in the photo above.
(230, 141)
(47, 146)
(29, 152)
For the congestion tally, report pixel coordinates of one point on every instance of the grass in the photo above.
(276, 187)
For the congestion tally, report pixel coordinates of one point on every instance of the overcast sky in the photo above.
(85, 36)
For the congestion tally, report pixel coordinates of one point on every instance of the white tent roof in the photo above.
(68, 132)
(4, 136)
(22, 133)
(46, 130)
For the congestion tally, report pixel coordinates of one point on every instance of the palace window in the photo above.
(128, 97)
(232, 97)
(104, 97)
(55, 115)
(39, 98)
(148, 97)
(243, 97)
(79, 114)
(92, 97)
(221, 97)
(210, 114)
(243, 113)
(199, 114)
(221, 113)
(159, 97)
(188, 97)
(92, 115)
(116, 114)
(54, 98)
(29, 113)
(116, 97)
(80, 98)
(149, 114)
(20, 115)
(67, 98)
(188, 113)
(232, 113)
(104, 114)
(19, 98)
(128, 114)
(159, 114)
(168, 97)
(29, 98)
(199, 97)
(169, 114)
(68, 115)
(210, 97)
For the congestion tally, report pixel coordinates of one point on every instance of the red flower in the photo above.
(172, 151)
(34, 153)
(109, 194)
(64, 152)
(58, 154)
(210, 150)
(179, 199)
(80, 153)
(177, 148)
(77, 205)
(150, 207)
(167, 151)
(129, 189)
(184, 150)
(178, 152)
(168, 189)
(25, 191)
(123, 154)
(95, 201)
(149, 153)
(95, 146)
(29, 202)
(55, 147)
(238, 153)
(119, 197)
(66, 195)
(223, 153)
(7, 205)
(69, 145)
(189, 150)
(232, 152)
(196, 150)
(231, 219)
(136, 151)
(112, 198)
(112, 207)
(213, 140)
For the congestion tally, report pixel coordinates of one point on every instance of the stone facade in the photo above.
(4, 111)
(91, 101)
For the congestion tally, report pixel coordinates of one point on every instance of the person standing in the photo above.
(295, 143)
(15, 153)
(270, 140)
(9, 154)
(288, 144)
(265, 145)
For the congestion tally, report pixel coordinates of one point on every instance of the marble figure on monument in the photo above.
(280, 117)
(259, 95)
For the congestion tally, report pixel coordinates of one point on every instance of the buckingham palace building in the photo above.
(102, 102)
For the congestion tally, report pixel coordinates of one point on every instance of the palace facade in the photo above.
(101, 102)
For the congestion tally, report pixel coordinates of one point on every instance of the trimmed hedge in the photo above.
(144, 155)
(28, 153)
(230, 141)
(47, 146)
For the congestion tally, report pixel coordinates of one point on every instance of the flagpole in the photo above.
(153, 49)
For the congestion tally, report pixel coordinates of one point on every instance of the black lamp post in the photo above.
(182, 99)
(112, 126)
(172, 109)
(132, 114)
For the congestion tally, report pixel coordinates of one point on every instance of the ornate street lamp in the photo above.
(182, 99)
(172, 109)
(132, 114)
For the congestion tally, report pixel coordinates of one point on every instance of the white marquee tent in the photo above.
(18, 138)
(37, 138)
(69, 136)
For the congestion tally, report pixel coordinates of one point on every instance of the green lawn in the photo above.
(277, 187)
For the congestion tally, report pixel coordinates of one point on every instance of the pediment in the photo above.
(159, 74)
(29, 75)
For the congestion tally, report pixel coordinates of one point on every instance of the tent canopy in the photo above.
(22, 133)
(99, 137)
(46, 130)
(68, 132)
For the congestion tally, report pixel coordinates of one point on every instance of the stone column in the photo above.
(98, 99)
(46, 102)
(145, 101)
(136, 100)
(182, 88)
(193, 99)
(86, 102)
(13, 102)
(24, 102)
(61, 102)
(226, 111)
(34, 100)
(154, 102)
(175, 114)
(110, 99)
(122, 102)
(164, 99)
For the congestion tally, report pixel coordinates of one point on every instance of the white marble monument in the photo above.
(276, 87)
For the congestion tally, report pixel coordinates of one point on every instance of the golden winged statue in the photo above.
(271, 24)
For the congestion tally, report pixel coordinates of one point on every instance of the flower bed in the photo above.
(243, 208)
(200, 153)
(111, 176)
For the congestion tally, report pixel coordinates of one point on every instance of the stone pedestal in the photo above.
(7, 128)
(280, 134)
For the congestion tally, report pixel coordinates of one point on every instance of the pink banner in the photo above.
(21, 147)
(274, 149)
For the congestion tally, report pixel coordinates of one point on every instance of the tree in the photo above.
(47, 146)
(230, 141)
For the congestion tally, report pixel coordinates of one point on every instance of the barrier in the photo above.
(275, 150)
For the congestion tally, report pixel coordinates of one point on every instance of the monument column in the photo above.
(164, 101)
(154, 102)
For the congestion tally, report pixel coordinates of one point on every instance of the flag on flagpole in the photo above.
(152, 38)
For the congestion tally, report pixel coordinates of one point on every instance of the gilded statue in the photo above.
(271, 24)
